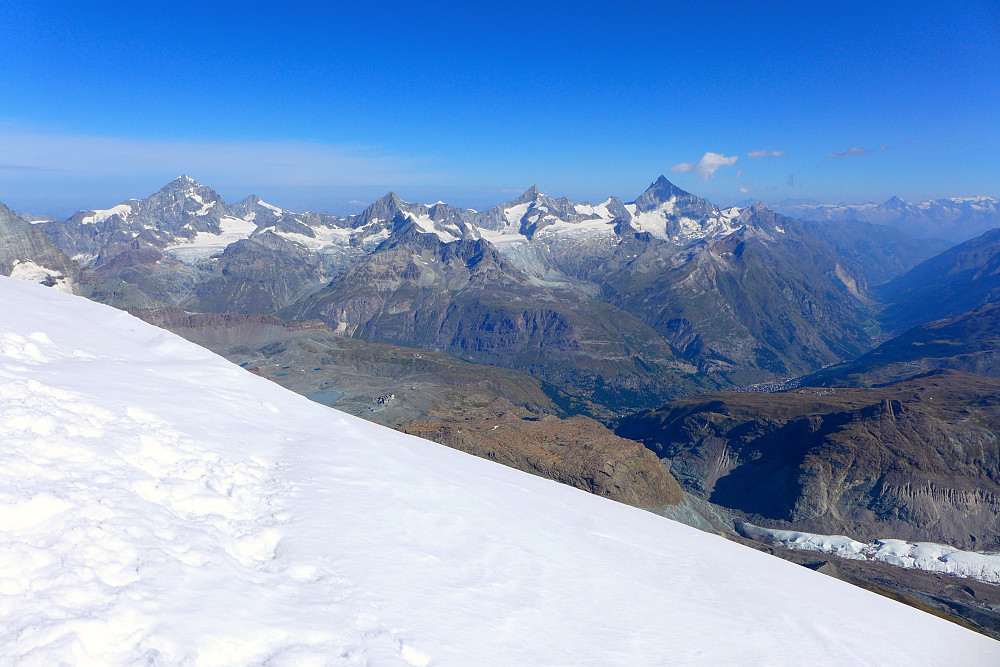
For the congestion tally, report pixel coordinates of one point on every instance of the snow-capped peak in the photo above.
(660, 192)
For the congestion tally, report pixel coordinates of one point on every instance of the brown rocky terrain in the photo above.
(917, 460)
(577, 451)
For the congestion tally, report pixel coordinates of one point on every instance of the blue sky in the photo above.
(472, 103)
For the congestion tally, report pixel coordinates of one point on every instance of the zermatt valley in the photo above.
(403, 409)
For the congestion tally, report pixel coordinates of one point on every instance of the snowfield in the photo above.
(161, 506)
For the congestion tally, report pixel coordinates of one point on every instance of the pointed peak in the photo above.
(6, 212)
(659, 191)
(382, 209)
(530, 195)
(759, 207)
(182, 182)
(389, 199)
(663, 183)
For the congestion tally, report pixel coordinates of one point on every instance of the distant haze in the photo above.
(839, 103)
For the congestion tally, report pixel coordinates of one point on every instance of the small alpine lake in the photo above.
(326, 397)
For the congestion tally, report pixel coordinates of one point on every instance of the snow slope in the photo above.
(159, 505)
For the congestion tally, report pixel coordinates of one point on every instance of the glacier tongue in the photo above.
(159, 505)
(928, 556)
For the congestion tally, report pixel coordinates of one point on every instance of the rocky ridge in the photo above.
(969, 342)
(956, 281)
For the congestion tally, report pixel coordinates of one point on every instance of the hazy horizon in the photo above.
(315, 108)
(345, 204)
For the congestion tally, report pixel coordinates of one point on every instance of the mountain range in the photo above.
(618, 305)
(916, 460)
(956, 219)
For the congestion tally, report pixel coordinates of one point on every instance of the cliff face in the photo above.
(27, 253)
(917, 460)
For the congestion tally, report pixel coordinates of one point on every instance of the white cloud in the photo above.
(745, 190)
(706, 167)
(856, 151)
(759, 155)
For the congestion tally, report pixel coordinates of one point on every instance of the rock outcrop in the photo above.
(918, 460)
(577, 451)
(27, 253)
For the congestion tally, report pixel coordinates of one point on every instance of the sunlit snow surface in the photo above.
(102, 215)
(28, 270)
(159, 505)
(206, 244)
